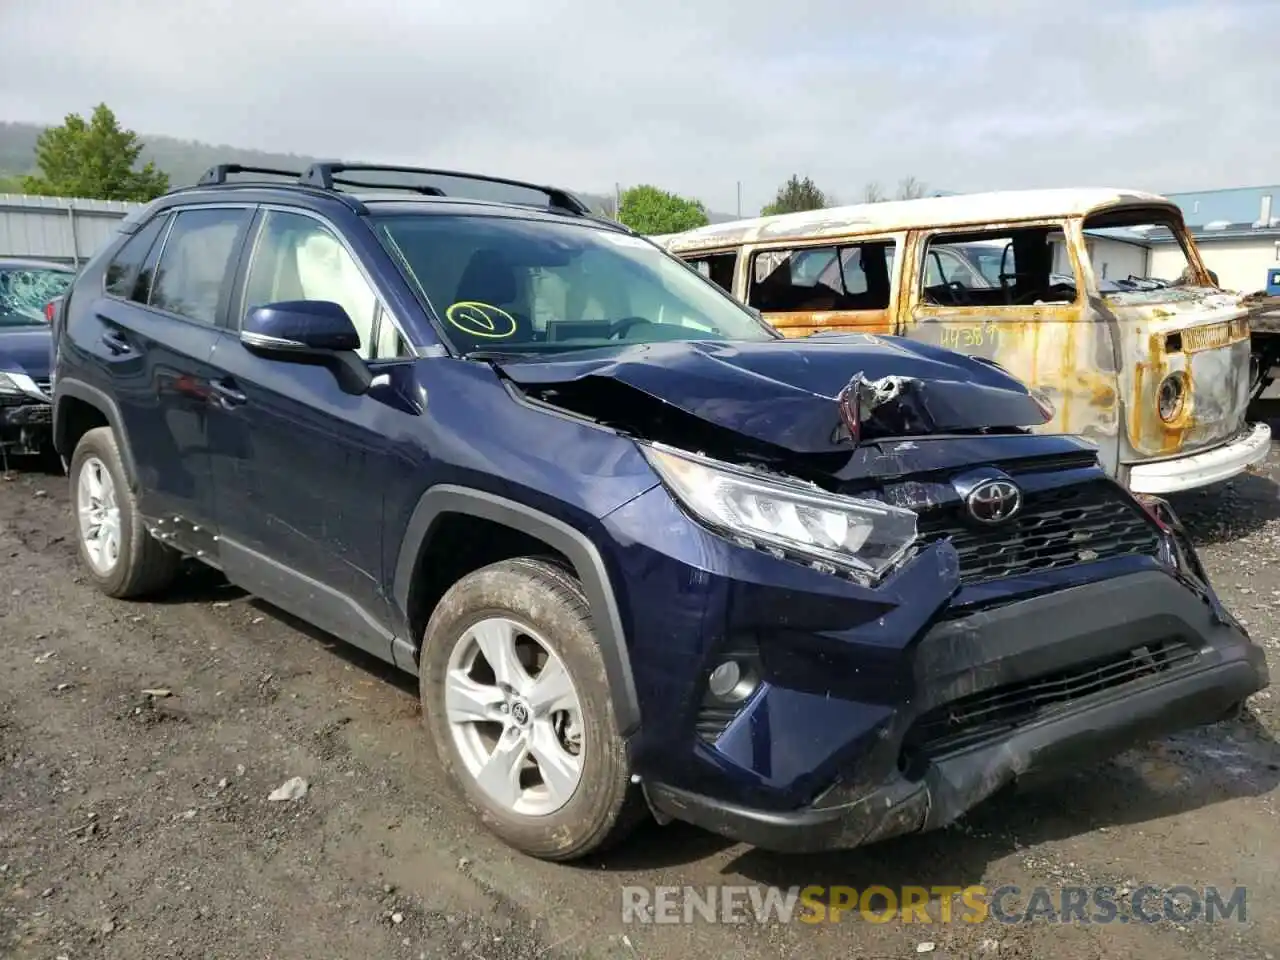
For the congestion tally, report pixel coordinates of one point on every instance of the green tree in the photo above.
(796, 195)
(648, 210)
(94, 159)
(10, 183)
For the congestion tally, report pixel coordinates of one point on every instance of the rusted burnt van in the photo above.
(1053, 285)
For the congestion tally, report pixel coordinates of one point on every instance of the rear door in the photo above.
(157, 324)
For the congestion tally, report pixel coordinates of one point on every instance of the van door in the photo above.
(1012, 295)
(841, 287)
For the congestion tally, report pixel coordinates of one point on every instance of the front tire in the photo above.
(515, 697)
(121, 558)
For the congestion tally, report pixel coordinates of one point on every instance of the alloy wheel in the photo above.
(515, 716)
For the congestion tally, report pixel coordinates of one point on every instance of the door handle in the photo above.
(228, 394)
(116, 342)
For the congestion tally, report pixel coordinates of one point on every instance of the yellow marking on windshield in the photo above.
(477, 319)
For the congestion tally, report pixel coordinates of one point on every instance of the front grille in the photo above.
(20, 400)
(44, 386)
(1055, 528)
(992, 713)
(1214, 335)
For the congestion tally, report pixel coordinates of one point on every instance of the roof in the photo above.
(955, 210)
(1235, 205)
(384, 201)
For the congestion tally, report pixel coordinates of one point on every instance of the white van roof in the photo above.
(951, 211)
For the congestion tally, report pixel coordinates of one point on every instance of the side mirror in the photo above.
(313, 332)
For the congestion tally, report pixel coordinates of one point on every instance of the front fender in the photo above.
(572, 543)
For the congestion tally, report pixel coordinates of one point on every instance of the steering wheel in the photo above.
(959, 293)
(618, 328)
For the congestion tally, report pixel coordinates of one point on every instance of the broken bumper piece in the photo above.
(952, 786)
(961, 740)
(26, 428)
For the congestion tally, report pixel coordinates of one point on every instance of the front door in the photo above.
(1012, 295)
(299, 465)
(164, 294)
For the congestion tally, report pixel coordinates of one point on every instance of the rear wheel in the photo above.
(515, 697)
(121, 557)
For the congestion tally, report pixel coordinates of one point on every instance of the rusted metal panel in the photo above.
(807, 323)
(1199, 333)
(1264, 313)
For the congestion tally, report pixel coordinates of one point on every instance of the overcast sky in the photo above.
(692, 96)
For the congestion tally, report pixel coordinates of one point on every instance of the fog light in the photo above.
(1171, 396)
(730, 682)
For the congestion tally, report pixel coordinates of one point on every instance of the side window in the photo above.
(194, 268)
(296, 257)
(1006, 267)
(147, 276)
(847, 277)
(716, 267)
(944, 267)
(125, 270)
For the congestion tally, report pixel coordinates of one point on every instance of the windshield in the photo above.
(517, 286)
(1139, 254)
(24, 291)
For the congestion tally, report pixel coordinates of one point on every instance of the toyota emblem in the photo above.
(994, 501)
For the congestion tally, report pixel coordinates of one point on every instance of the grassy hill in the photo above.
(183, 160)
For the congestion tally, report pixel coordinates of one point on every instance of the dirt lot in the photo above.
(136, 824)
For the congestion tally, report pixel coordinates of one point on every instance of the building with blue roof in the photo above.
(1237, 231)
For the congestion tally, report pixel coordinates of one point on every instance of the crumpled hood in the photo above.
(26, 350)
(785, 392)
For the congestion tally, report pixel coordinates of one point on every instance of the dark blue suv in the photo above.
(643, 553)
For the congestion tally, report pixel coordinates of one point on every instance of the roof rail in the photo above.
(322, 175)
(413, 187)
(216, 176)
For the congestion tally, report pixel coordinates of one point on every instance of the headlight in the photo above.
(1171, 396)
(7, 385)
(862, 536)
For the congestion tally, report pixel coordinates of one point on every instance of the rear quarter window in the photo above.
(124, 270)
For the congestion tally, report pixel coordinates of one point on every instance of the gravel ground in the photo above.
(139, 744)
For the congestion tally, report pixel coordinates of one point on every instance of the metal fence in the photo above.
(63, 229)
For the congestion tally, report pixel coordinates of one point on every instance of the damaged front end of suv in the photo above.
(856, 607)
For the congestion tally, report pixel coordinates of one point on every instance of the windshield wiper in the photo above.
(493, 355)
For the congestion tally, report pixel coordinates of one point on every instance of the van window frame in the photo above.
(925, 237)
(896, 239)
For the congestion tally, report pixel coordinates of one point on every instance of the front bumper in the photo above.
(26, 427)
(1201, 469)
(985, 660)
